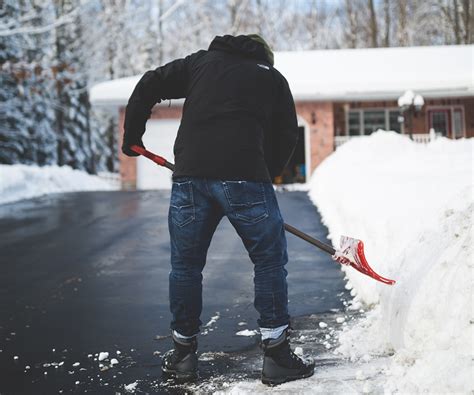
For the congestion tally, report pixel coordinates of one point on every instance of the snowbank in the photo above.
(412, 206)
(22, 182)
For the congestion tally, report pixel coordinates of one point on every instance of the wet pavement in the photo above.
(85, 273)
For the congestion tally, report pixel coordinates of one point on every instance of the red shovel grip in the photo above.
(159, 160)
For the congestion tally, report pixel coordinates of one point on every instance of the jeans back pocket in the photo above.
(182, 208)
(246, 200)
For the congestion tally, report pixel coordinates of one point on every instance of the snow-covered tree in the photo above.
(72, 110)
(41, 99)
(13, 127)
(26, 127)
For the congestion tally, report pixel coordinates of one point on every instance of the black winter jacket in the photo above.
(239, 120)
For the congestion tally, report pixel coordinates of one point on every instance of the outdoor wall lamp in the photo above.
(410, 99)
(410, 104)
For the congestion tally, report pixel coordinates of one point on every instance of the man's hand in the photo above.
(128, 151)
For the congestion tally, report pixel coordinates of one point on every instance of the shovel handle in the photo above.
(163, 162)
(159, 160)
(323, 246)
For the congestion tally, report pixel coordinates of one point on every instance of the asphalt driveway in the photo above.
(85, 273)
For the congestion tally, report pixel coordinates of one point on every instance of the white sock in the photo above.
(180, 336)
(272, 333)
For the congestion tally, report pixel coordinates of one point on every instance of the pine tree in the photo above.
(41, 99)
(13, 125)
(72, 112)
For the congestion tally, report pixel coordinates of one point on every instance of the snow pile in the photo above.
(22, 182)
(412, 206)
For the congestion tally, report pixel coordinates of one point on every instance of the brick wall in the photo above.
(319, 116)
(167, 112)
(128, 165)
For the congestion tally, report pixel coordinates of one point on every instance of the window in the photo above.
(354, 123)
(447, 121)
(374, 120)
(458, 127)
(368, 121)
(439, 121)
(394, 121)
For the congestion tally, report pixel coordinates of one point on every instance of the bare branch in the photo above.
(171, 10)
(64, 19)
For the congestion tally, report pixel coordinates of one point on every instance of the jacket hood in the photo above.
(241, 45)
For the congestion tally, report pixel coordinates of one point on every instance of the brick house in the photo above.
(339, 95)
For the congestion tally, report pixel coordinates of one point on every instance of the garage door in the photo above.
(158, 138)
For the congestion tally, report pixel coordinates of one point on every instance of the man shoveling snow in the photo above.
(238, 131)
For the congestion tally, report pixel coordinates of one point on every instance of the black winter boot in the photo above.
(281, 364)
(181, 364)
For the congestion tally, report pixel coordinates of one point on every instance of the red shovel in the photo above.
(351, 251)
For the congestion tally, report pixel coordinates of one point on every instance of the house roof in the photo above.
(353, 74)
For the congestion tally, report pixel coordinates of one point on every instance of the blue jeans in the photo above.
(196, 208)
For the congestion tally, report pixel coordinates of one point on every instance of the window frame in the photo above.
(386, 110)
(450, 108)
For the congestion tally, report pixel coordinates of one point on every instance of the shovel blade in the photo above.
(351, 253)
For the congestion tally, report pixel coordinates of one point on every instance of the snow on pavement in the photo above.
(23, 182)
(213, 319)
(131, 387)
(338, 379)
(412, 206)
(247, 332)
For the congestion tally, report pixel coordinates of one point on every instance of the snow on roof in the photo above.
(353, 74)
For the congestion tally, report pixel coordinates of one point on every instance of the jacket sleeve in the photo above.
(166, 82)
(282, 138)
